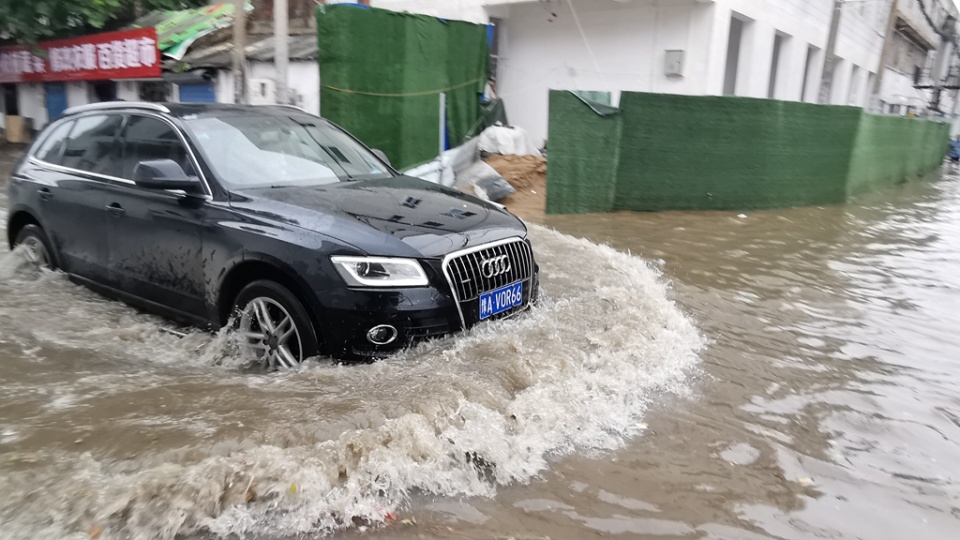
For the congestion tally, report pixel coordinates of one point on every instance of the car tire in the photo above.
(264, 311)
(36, 246)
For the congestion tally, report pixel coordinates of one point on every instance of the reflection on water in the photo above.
(825, 404)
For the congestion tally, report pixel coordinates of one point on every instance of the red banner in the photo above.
(128, 54)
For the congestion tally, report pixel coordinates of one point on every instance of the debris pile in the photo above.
(528, 176)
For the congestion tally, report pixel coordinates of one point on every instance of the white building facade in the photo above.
(752, 48)
(910, 59)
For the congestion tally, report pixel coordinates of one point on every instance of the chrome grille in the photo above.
(465, 271)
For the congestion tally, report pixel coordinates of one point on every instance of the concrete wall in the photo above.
(727, 153)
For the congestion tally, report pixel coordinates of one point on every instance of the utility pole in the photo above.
(830, 58)
(239, 45)
(281, 53)
(885, 51)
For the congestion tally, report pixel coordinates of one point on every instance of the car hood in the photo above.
(398, 216)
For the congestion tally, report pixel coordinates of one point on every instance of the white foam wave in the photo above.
(454, 417)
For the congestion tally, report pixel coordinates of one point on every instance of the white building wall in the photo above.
(910, 11)
(223, 86)
(304, 77)
(896, 85)
(128, 91)
(541, 47)
(465, 10)
(793, 58)
(78, 93)
(841, 81)
(628, 42)
(897, 89)
(32, 103)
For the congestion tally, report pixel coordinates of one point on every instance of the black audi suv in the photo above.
(269, 217)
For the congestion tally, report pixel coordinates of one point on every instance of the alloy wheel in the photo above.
(269, 334)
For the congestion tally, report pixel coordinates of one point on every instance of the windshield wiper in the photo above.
(306, 127)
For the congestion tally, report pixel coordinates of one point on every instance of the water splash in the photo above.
(325, 446)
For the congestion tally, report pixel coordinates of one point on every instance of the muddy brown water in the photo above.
(784, 374)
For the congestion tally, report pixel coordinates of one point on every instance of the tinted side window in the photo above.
(52, 148)
(146, 139)
(92, 145)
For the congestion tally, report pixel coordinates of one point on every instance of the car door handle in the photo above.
(116, 209)
(45, 194)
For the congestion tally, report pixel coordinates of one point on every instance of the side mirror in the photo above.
(164, 174)
(383, 157)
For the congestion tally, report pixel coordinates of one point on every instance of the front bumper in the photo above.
(418, 314)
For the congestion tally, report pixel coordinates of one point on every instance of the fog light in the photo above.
(383, 334)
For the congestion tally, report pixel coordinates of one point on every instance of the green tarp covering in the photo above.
(382, 74)
(669, 152)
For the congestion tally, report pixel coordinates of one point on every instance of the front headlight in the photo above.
(380, 272)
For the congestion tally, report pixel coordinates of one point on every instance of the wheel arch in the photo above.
(19, 219)
(256, 267)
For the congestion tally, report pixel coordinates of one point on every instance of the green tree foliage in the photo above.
(29, 21)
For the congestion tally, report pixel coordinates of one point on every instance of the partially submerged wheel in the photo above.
(35, 245)
(272, 325)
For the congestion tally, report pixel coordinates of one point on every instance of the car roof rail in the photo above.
(107, 105)
(284, 105)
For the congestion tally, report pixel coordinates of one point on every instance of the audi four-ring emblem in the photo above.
(495, 266)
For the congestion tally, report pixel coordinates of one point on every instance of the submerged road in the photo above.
(788, 374)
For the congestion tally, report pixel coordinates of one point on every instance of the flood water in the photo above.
(780, 374)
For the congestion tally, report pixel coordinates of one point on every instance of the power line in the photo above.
(945, 35)
(952, 37)
(933, 25)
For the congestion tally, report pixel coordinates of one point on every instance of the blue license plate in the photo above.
(500, 300)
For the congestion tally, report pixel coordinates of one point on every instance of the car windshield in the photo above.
(275, 151)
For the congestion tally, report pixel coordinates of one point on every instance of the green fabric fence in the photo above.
(382, 74)
(669, 152)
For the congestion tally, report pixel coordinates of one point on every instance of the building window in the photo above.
(778, 43)
(853, 94)
(734, 44)
(894, 108)
(156, 91)
(494, 37)
(101, 91)
(92, 145)
(808, 71)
